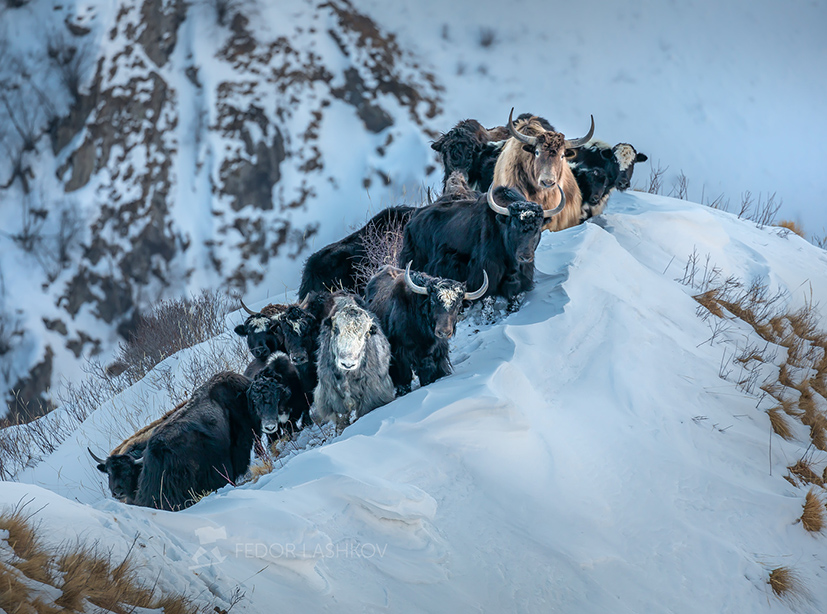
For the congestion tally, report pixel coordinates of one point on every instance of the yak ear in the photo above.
(641, 157)
(240, 330)
(327, 322)
(437, 145)
(607, 154)
(530, 148)
(570, 154)
(101, 467)
(373, 329)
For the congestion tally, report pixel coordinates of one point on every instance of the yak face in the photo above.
(123, 471)
(626, 157)
(522, 229)
(263, 335)
(461, 145)
(350, 328)
(550, 154)
(596, 171)
(296, 325)
(268, 398)
(443, 301)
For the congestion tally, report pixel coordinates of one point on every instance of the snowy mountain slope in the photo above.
(585, 456)
(197, 152)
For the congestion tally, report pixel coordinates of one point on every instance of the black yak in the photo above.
(278, 398)
(340, 265)
(464, 239)
(418, 313)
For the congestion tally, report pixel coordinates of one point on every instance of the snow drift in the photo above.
(585, 456)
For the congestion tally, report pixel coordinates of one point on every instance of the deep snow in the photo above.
(584, 457)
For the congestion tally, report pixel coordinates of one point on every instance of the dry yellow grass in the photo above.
(812, 518)
(785, 582)
(803, 471)
(82, 574)
(709, 300)
(792, 227)
(779, 424)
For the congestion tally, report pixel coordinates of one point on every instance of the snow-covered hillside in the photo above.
(154, 148)
(595, 452)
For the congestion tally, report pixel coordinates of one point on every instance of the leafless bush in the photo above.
(656, 178)
(680, 187)
(171, 326)
(382, 247)
(487, 37)
(72, 60)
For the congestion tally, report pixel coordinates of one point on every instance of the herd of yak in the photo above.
(351, 345)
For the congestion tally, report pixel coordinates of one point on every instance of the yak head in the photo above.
(626, 157)
(547, 152)
(269, 394)
(297, 329)
(123, 471)
(522, 221)
(350, 329)
(262, 330)
(597, 171)
(445, 297)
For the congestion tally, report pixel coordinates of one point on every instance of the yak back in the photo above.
(201, 447)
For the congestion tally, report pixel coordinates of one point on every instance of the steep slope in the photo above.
(195, 149)
(585, 456)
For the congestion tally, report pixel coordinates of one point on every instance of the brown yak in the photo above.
(533, 161)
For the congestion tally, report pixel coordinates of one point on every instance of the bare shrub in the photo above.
(680, 187)
(72, 576)
(382, 247)
(656, 178)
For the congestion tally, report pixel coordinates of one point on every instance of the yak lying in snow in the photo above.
(277, 397)
(123, 465)
(418, 313)
(354, 357)
(341, 265)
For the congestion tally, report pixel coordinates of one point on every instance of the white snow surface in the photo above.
(584, 457)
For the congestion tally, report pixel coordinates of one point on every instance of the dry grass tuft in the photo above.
(812, 517)
(71, 577)
(785, 582)
(803, 471)
(779, 424)
(709, 300)
(792, 227)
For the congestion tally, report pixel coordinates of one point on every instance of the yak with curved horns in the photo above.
(533, 161)
(418, 313)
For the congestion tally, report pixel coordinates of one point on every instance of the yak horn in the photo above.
(551, 212)
(524, 138)
(248, 310)
(583, 139)
(472, 296)
(410, 282)
(494, 206)
(97, 460)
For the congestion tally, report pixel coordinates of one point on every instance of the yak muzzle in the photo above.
(261, 352)
(348, 365)
(269, 427)
(547, 183)
(299, 358)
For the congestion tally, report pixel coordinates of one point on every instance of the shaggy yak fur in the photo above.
(354, 357)
(337, 265)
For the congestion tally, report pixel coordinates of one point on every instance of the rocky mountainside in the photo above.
(158, 147)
